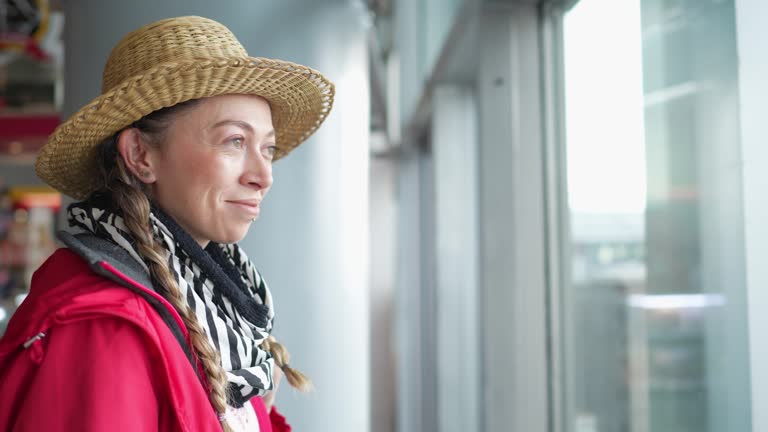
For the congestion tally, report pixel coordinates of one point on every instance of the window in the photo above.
(654, 304)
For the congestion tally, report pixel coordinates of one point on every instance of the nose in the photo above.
(257, 173)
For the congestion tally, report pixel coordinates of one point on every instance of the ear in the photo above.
(137, 154)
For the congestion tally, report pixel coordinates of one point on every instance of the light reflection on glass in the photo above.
(675, 301)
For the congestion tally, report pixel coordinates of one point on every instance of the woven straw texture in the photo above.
(172, 61)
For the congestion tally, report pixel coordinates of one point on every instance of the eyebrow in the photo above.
(245, 125)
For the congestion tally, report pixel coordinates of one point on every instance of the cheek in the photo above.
(215, 179)
(186, 179)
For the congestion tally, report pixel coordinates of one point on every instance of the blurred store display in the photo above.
(31, 65)
(31, 83)
(27, 225)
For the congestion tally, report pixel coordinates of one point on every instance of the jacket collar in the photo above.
(96, 250)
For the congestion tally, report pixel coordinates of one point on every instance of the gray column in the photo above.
(312, 240)
(414, 395)
(455, 147)
(383, 217)
(512, 221)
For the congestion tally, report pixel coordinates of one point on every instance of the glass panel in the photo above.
(654, 304)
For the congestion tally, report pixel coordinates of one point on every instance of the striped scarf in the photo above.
(222, 286)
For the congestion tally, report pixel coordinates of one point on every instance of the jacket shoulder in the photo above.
(70, 310)
(105, 349)
(64, 289)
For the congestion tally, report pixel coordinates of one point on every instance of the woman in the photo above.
(153, 318)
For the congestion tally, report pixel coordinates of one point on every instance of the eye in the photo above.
(269, 152)
(237, 142)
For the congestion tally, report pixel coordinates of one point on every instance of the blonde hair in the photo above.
(129, 195)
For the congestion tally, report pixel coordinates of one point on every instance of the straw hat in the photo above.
(172, 61)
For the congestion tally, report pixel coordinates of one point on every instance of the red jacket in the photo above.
(83, 353)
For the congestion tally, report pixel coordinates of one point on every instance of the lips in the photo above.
(250, 207)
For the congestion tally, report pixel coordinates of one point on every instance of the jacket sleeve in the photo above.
(95, 375)
(272, 421)
(279, 424)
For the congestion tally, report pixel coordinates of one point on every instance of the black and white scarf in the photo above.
(222, 286)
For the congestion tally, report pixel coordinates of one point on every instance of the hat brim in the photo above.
(300, 99)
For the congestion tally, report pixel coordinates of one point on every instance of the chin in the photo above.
(233, 236)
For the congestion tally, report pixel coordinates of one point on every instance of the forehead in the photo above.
(231, 109)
